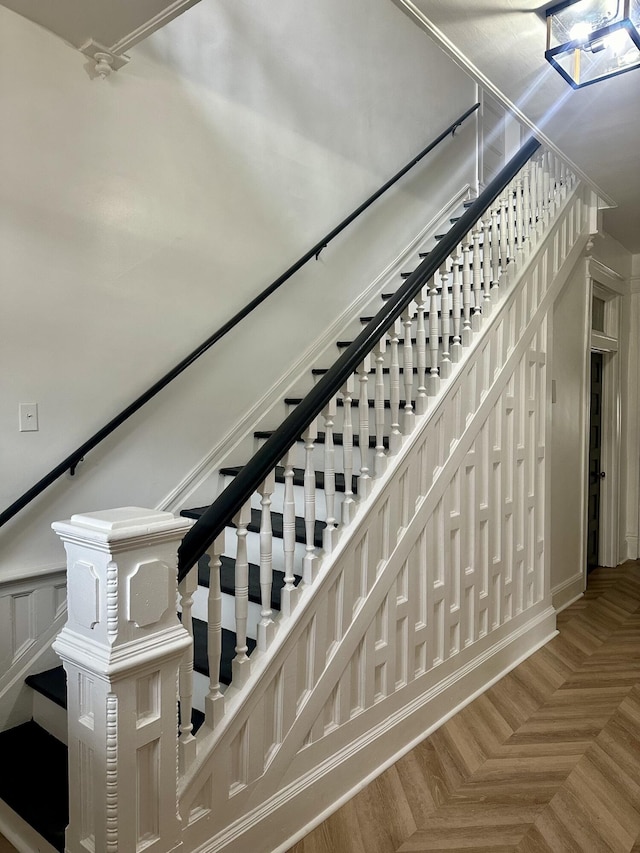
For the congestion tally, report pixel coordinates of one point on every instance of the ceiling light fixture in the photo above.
(590, 40)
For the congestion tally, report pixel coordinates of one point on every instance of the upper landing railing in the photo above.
(71, 462)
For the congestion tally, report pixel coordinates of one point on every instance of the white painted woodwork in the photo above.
(186, 739)
(121, 648)
(364, 431)
(241, 664)
(214, 701)
(446, 565)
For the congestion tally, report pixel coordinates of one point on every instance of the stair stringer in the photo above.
(441, 587)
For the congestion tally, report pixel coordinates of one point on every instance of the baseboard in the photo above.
(17, 831)
(632, 549)
(567, 592)
(294, 811)
(216, 458)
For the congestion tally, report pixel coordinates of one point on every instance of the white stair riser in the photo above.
(277, 500)
(50, 716)
(253, 549)
(200, 611)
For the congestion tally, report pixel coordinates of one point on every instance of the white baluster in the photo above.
(241, 664)
(495, 247)
(486, 264)
(329, 533)
(511, 222)
(477, 277)
(214, 700)
(504, 231)
(456, 293)
(187, 741)
(434, 338)
(519, 215)
(310, 562)
(526, 207)
(364, 479)
(395, 439)
(445, 321)
(348, 505)
(533, 189)
(380, 464)
(267, 625)
(546, 184)
(466, 291)
(289, 592)
(407, 371)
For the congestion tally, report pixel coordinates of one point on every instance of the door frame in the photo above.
(606, 284)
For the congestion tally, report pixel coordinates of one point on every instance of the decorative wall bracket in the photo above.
(105, 61)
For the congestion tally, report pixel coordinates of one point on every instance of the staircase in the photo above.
(412, 416)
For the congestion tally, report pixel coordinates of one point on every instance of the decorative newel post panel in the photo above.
(121, 649)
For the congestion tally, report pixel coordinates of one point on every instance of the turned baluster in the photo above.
(240, 664)
(380, 461)
(486, 264)
(477, 277)
(495, 247)
(407, 371)
(348, 505)
(364, 479)
(186, 740)
(214, 700)
(519, 215)
(546, 186)
(456, 294)
(466, 291)
(266, 626)
(434, 338)
(511, 223)
(504, 231)
(310, 561)
(526, 207)
(395, 439)
(329, 533)
(421, 353)
(445, 323)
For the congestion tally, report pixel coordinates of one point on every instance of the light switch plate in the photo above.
(28, 417)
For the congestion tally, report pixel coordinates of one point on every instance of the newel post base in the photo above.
(121, 649)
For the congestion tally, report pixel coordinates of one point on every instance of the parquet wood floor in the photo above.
(546, 761)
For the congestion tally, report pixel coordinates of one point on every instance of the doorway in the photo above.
(596, 474)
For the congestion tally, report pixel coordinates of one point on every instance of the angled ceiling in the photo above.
(598, 127)
(116, 25)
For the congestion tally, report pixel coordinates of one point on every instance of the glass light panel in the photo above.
(590, 40)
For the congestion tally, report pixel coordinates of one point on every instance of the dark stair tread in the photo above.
(228, 575)
(337, 438)
(320, 371)
(35, 781)
(201, 658)
(295, 401)
(276, 524)
(52, 683)
(298, 477)
(345, 344)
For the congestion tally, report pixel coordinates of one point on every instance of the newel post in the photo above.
(121, 649)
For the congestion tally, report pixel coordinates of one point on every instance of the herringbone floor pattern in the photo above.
(546, 761)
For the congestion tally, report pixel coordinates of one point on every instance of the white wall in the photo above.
(138, 213)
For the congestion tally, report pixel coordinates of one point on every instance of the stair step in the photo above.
(35, 783)
(201, 658)
(298, 476)
(345, 344)
(295, 401)
(320, 371)
(337, 438)
(228, 576)
(276, 524)
(52, 683)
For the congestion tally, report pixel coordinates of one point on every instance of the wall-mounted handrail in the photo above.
(71, 462)
(238, 492)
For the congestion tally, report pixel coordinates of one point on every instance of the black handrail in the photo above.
(71, 462)
(217, 516)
